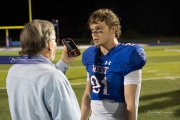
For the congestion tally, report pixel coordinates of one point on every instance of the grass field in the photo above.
(160, 92)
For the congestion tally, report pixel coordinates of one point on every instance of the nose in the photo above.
(94, 33)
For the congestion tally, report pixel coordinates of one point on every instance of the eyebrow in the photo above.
(96, 27)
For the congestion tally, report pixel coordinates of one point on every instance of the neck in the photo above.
(106, 48)
(46, 53)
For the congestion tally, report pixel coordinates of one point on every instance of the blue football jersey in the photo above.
(106, 73)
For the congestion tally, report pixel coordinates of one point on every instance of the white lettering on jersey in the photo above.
(131, 44)
(99, 69)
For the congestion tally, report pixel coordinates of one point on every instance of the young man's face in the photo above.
(101, 33)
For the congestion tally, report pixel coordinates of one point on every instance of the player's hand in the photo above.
(65, 56)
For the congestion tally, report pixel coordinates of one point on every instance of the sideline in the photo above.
(19, 48)
(4, 88)
(58, 47)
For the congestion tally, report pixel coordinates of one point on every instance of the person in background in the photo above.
(114, 71)
(37, 89)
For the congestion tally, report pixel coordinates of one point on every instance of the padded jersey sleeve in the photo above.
(137, 59)
(89, 55)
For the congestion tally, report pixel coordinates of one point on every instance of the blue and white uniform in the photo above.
(109, 73)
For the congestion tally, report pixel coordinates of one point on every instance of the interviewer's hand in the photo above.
(65, 57)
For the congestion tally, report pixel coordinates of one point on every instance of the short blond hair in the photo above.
(107, 15)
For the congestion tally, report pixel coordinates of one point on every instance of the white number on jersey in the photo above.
(96, 86)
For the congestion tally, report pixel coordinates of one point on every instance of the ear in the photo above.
(49, 45)
(113, 29)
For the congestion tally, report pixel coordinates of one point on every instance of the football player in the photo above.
(114, 71)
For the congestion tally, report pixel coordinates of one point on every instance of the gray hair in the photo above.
(34, 36)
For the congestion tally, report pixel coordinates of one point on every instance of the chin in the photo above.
(97, 44)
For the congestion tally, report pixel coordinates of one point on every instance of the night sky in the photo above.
(144, 17)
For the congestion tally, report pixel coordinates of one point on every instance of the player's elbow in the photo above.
(86, 99)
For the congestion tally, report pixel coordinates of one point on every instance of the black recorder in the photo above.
(71, 47)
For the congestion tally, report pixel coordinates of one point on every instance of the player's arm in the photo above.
(132, 83)
(86, 100)
(130, 92)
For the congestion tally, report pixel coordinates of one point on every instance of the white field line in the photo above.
(78, 83)
(3, 88)
(3, 70)
(161, 55)
(58, 47)
(19, 48)
(69, 68)
(77, 67)
(163, 63)
(167, 77)
(162, 73)
(161, 78)
(152, 70)
(84, 67)
(176, 50)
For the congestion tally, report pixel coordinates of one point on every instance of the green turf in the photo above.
(160, 91)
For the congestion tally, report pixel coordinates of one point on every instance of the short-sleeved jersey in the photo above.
(106, 73)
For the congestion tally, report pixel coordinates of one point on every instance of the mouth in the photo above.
(95, 40)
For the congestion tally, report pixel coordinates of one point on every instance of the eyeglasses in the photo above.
(56, 40)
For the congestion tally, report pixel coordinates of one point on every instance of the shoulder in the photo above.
(130, 48)
(48, 75)
(50, 71)
(89, 54)
(134, 53)
(90, 50)
(42, 75)
(131, 56)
